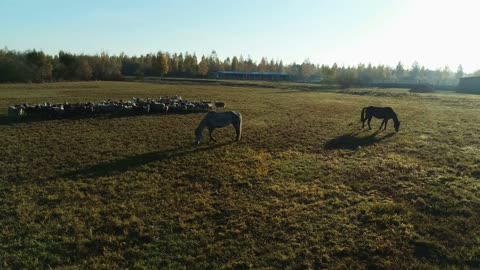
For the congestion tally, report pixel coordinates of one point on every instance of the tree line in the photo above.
(36, 66)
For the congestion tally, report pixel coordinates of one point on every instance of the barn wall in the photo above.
(469, 85)
(256, 76)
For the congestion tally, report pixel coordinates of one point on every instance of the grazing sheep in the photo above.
(219, 104)
(15, 111)
(56, 111)
(173, 104)
(158, 107)
(190, 107)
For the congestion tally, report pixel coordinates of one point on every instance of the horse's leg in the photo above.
(368, 122)
(381, 124)
(386, 122)
(210, 132)
(237, 130)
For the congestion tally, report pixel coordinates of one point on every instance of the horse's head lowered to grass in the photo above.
(385, 113)
(215, 120)
(396, 125)
(198, 134)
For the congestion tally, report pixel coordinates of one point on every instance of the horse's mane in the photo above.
(201, 125)
(394, 117)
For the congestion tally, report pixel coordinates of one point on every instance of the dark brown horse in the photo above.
(385, 113)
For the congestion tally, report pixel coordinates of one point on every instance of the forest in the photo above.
(37, 66)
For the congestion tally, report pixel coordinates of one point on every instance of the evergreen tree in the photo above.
(263, 66)
(280, 67)
(213, 62)
(415, 72)
(235, 66)
(307, 69)
(399, 72)
(40, 65)
(227, 64)
(83, 70)
(203, 66)
(459, 73)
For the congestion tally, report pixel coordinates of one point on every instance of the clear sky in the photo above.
(434, 33)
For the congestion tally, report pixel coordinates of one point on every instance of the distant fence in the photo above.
(414, 85)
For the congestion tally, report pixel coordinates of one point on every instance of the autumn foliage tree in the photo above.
(161, 64)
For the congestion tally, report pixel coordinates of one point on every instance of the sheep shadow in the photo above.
(129, 163)
(352, 141)
(6, 121)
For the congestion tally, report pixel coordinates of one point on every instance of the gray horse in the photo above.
(215, 120)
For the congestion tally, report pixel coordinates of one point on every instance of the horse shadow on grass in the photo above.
(352, 141)
(129, 163)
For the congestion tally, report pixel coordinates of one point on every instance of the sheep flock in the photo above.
(136, 106)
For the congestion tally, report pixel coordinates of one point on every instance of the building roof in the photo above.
(469, 78)
(254, 73)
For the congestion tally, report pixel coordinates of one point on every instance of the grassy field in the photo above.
(305, 188)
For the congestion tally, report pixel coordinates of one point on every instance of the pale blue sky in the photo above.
(434, 33)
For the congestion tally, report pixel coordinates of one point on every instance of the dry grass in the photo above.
(305, 188)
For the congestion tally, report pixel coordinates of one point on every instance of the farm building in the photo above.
(259, 76)
(469, 85)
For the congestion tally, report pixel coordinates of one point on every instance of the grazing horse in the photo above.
(385, 113)
(215, 120)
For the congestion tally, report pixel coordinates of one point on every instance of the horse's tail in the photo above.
(238, 125)
(363, 115)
